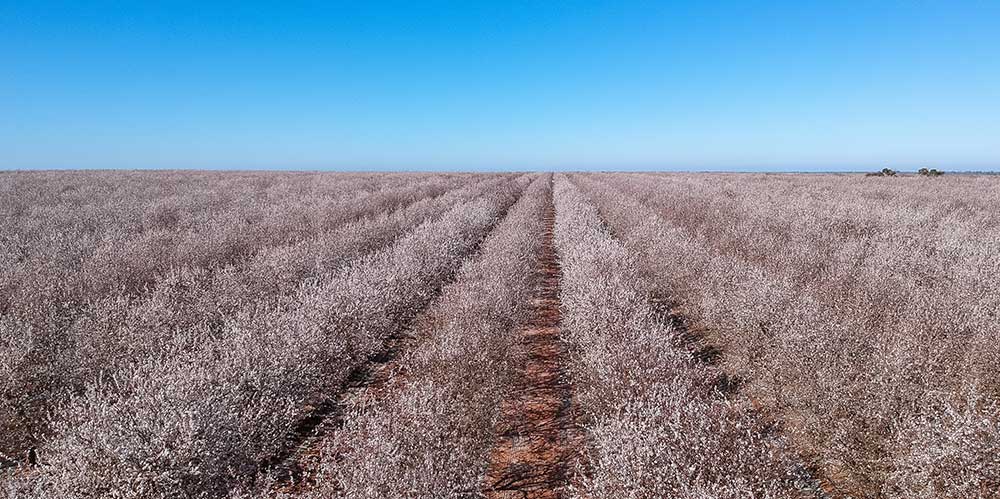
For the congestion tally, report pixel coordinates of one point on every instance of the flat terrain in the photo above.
(539, 436)
(206, 334)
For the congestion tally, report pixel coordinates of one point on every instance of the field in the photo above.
(211, 334)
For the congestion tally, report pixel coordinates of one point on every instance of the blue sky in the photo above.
(500, 85)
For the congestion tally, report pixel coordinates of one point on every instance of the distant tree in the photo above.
(923, 171)
(888, 172)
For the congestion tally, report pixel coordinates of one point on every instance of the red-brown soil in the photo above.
(539, 439)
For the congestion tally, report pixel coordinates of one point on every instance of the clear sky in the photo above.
(790, 85)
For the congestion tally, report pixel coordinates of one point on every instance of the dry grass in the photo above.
(861, 313)
(163, 334)
(427, 430)
(658, 427)
(171, 392)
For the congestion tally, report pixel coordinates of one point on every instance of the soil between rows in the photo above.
(539, 439)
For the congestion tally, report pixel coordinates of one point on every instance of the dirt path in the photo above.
(539, 440)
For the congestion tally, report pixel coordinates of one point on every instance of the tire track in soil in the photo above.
(539, 439)
(294, 469)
